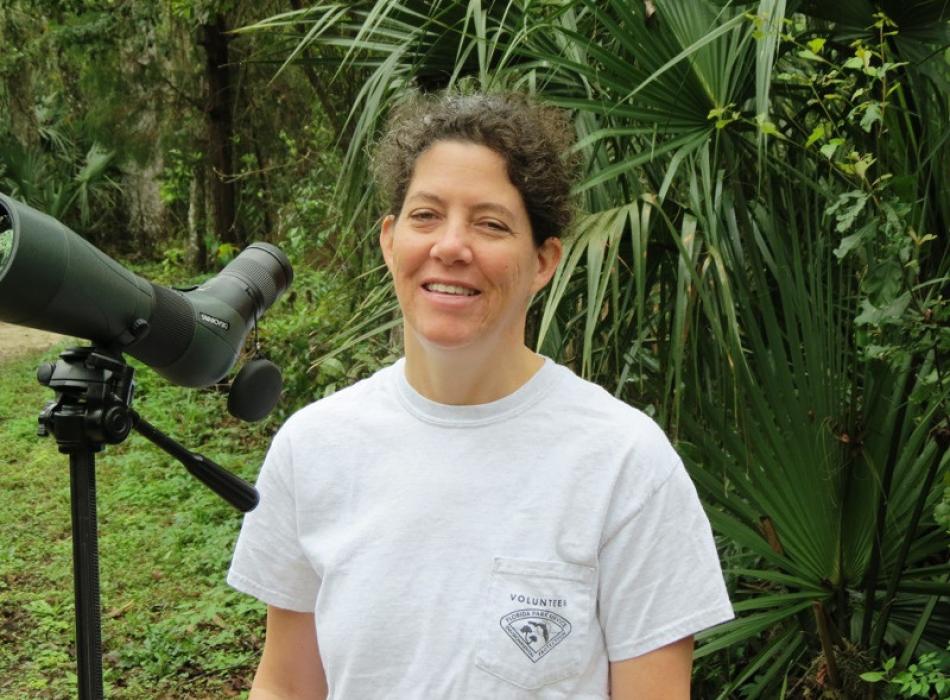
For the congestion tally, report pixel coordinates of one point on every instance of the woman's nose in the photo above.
(452, 244)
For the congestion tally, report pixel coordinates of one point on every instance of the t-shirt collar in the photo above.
(472, 415)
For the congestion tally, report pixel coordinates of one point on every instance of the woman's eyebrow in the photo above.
(481, 206)
(426, 196)
(496, 208)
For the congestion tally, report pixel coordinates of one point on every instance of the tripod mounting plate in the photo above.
(94, 391)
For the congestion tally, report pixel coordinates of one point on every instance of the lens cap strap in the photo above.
(256, 389)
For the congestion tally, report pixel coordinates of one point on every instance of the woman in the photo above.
(475, 521)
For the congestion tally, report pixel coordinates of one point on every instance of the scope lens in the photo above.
(6, 238)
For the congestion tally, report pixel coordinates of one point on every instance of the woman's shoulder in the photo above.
(344, 404)
(626, 447)
(594, 406)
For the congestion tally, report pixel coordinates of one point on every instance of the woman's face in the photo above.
(461, 253)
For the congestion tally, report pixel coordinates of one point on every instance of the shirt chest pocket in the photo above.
(535, 622)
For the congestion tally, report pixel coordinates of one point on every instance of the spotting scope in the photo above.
(52, 279)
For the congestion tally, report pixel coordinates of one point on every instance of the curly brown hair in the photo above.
(533, 138)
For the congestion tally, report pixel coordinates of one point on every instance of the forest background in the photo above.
(761, 264)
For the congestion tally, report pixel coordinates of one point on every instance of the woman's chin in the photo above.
(447, 339)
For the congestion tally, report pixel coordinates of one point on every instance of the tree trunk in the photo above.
(21, 101)
(146, 211)
(197, 222)
(219, 111)
(146, 215)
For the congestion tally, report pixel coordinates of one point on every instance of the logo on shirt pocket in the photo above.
(523, 640)
(536, 632)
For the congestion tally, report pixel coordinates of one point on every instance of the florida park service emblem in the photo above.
(536, 632)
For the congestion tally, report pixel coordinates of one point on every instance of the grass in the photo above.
(171, 627)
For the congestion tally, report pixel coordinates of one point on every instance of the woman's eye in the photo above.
(422, 216)
(494, 225)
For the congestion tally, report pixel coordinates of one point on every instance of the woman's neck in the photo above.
(468, 376)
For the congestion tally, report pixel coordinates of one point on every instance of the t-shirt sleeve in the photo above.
(269, 562)
(660, 577)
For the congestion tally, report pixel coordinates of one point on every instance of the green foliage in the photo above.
(942, 510)
(64, 186)
(177, 175)
(200, 11)
(127, 79)
(900, 314)
(172, 261)
(309, 218)
(316, 321)
(225, 253)
(6, 244)
(53, 153)
(919, 680)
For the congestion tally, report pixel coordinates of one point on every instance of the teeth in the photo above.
(450, 289)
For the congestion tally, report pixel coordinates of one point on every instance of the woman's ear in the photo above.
(549, 256)
(386, 239)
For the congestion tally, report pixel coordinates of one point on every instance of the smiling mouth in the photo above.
(452, 289)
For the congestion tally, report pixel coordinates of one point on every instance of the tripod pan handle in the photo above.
(231, 488)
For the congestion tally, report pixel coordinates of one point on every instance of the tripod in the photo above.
(93, 407)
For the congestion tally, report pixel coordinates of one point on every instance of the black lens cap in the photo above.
(255, 390)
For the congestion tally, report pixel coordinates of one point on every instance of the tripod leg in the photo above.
(82, 468)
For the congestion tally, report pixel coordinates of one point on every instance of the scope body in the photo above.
(52, 279)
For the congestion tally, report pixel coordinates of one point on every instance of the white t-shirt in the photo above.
(502, 550)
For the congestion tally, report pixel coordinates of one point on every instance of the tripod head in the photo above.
(93, 407)
(94, 399)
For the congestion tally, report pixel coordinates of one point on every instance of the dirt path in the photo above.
(19, 340)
